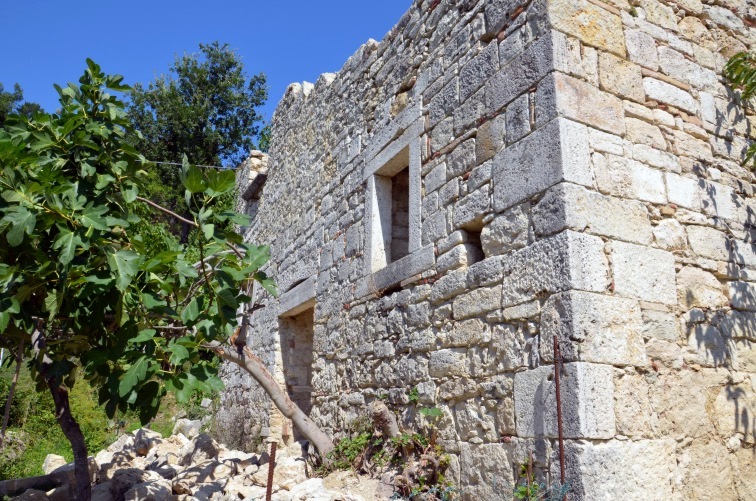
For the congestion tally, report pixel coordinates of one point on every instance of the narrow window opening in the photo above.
(473, 243)
(399, 215)
(392, 224)
(297, 357)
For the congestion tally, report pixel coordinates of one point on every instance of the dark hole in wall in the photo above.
(400, 215)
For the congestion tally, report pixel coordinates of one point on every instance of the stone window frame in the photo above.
(378, 196)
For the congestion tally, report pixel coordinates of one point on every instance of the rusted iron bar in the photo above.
(271, 469)
(557, 370)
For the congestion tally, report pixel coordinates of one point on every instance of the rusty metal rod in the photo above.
(557, 370)
(271, 469)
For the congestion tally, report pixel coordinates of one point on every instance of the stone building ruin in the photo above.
(492, 174)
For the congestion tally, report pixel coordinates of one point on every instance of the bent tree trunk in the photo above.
(83, 488)
(255, 367)
(72, 431)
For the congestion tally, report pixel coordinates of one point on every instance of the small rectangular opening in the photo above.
(297, 357)
(472, 240)
(392, 185)
(399, 215)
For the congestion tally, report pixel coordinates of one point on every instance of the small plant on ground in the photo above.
(418, 462)
(529, 489)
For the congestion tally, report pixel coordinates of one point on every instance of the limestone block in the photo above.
(479, 176)
(587, 401)
(683, 191)
(498, 14)
(506, 232)
(443, 104)
(738, 325)
(472, 209)
(669, 234)
(679, 67)
(485, 273)
(461, 160)
(448, 363)
(667, 93)
(642, 469)
(723, 17)
(489, 139)
(579, 101)
(593, 25)
(435, 227)
(159, 490)
(564, 261)
(659, 325)
(644, 273)
(467, 333)
(510, 348)
(697, 288)
(474, 422)
(707, 471)
(518, 119)
(485, 469)
(449, 286)
(641, 48)
(520, 74)
(734, 410)
(460, 256)
(642, 132)
(479, 69)
(620, 77)
(476, 302)
(742, 295)
(632, 407)
(659, 14)
(602, 141)
(630, 179)
(570, 206)
(593, 328)
(691, 146)
(710, 243)
(656, 158)
(708, 347)
(558, 151)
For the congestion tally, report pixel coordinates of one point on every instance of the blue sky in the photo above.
(46, 42)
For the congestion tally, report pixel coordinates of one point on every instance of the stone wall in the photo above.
(573, 172)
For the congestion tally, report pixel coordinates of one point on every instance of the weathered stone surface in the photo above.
(556, 152)
(584, 386)
(697, 288)
(667, 93)
(488, 465)
(506, 232)
(643, 273)
(571, 206)
(593, 25)
(577, 100)
(633, 466)
(621, 77)
(593, 328)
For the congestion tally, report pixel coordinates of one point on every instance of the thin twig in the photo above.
(167, 211)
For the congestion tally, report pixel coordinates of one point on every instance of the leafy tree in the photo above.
(741, 72)
(86, 294)
(12, 102)
(206, 109)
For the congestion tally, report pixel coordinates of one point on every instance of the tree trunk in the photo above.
(72, 431)
(83, 487)
(255, 367)
(6, 414)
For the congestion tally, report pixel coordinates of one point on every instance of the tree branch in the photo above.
(167, 211)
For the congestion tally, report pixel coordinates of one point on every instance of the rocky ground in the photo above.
(192, 466)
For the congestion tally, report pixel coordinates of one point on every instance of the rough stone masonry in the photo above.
(492, 174)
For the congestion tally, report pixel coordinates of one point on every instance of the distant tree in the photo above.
(206, 109)
(13, 102)
(741, 73)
